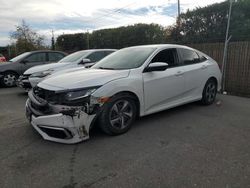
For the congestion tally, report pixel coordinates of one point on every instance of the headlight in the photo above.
(79, 96)
(42, 74)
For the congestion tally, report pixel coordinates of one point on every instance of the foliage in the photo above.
(26, 39)
(72, 42)
(113, 38)
(209, 24)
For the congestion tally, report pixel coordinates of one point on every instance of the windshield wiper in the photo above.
(106, 68)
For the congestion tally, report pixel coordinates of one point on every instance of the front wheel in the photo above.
(9, 79)
(118, 115)
(209, 92)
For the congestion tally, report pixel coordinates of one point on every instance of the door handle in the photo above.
(179, 73)
(203, 66)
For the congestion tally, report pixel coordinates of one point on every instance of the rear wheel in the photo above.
(118, 115)
(9, 79)
(209, 92)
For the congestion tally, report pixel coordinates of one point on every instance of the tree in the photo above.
(208, 24)
(26, 39)
(72, 42)
(137, 34)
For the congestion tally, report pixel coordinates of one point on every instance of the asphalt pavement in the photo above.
(188, 146)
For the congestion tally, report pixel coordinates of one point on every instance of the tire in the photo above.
(209, 92)
(118, 115)
(9, 79)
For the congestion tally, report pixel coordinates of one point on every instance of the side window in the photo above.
(37, 57)
(168, 56)
(96, 56)
(202, 58)
(107, 53)
(53, 56)
(189, 57)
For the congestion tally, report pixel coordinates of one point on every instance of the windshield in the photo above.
(128, 58)
(21, 56)
(74, 57)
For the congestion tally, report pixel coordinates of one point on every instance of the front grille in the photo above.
(26, 85)
(54, 98)
(50, 96)
(43, 109)
(25, 76)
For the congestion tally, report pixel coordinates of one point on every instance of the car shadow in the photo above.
(96, 131)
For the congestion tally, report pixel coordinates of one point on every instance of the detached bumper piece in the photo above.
(23, 82)
(58, 123)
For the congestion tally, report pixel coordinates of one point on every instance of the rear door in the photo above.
(163, 88)
(195, 68)
(54, 57)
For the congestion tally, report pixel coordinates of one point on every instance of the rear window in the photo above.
(202, 57)
(54, 56)
(37, 57)
(189, 56)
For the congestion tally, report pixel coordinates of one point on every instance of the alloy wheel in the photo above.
(121, 114)
(9, 80)
(211, 92)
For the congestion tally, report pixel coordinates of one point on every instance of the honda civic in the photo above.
(129, 83)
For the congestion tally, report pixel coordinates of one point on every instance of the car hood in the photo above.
(40, 68)
(6, 65)
(68, 70)
(81, 79)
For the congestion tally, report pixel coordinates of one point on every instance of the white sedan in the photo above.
(75, 61)
(131, 82)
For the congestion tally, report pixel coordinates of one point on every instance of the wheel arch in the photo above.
(134, 97)
(213, 78)
(11, 71)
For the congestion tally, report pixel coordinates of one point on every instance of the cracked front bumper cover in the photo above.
(23, 82)
(65, 126)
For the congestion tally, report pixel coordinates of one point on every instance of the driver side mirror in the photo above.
(156, 66)
(84, 61)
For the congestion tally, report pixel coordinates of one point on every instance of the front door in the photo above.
(35, 59)
(163, 89)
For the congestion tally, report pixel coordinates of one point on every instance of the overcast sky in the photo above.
(72, 16)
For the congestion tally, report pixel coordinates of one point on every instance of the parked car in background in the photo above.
(131, 82)
(11, 70)
(80, 59)
(2, 58)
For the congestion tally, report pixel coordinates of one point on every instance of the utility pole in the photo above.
(87, 39)
(52, 40)
(227, 39)
(179, 12)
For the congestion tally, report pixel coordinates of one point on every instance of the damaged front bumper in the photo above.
(23, 82)
(59, 123)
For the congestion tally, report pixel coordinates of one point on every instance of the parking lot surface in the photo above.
(188, 146)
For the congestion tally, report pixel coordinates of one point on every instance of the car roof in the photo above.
(95, 50)
(160, 46)
(35, 51)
